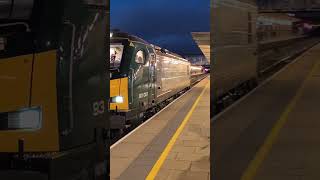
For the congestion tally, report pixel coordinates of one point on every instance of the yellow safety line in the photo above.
(154, 171)
(251, 171)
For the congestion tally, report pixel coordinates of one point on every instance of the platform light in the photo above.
(111, 35)
(117, 99)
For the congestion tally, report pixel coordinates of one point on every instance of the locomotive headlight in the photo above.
(117, 99)
(29, 118)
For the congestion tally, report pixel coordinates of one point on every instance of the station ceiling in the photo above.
(203, 41)
(289, 5)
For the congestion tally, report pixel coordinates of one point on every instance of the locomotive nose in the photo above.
(119, 94)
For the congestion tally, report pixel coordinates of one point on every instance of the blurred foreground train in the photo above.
(239, 34)
(53, 84)
(143, 78)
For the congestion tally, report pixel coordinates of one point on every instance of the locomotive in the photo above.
(143, 76)
(53, 76)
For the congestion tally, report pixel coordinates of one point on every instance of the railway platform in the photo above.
(273, 132)
(173, 144)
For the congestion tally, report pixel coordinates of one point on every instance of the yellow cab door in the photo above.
(15, 80)
(27, 93)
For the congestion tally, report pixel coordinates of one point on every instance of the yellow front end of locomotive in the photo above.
(28, 103)
(119, 95)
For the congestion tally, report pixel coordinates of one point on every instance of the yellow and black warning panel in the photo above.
(53, 88)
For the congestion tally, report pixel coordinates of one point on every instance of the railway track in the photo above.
(271, 61)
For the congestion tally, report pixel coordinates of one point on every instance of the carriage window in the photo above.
(140, 57)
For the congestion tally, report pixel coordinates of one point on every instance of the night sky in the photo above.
(166, 23)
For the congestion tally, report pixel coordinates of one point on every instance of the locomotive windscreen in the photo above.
(16, 9)
(116, 51)
(96, 2)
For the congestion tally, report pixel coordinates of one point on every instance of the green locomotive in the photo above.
(143, 77)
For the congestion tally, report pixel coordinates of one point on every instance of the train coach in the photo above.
(275, 26)
(196, 72)
(234, 50)
(239, 38)
(143, 77)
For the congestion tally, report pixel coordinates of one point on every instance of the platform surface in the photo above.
(190, 157)
(136, 155)
(273, 133)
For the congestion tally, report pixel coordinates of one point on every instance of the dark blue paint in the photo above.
(167, 23)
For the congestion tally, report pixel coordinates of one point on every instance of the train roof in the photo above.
(118, 34)
(161, 51)
(165, 52)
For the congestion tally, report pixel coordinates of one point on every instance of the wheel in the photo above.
(214, 109)
(253, 83)
(138, 119)
(116, 133)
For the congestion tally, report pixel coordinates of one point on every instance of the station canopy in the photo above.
(203, 41)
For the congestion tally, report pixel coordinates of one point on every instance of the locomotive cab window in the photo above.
(116, 51)
(20, 10)
(140, 57)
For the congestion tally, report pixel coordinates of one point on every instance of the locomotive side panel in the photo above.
(173, 75)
